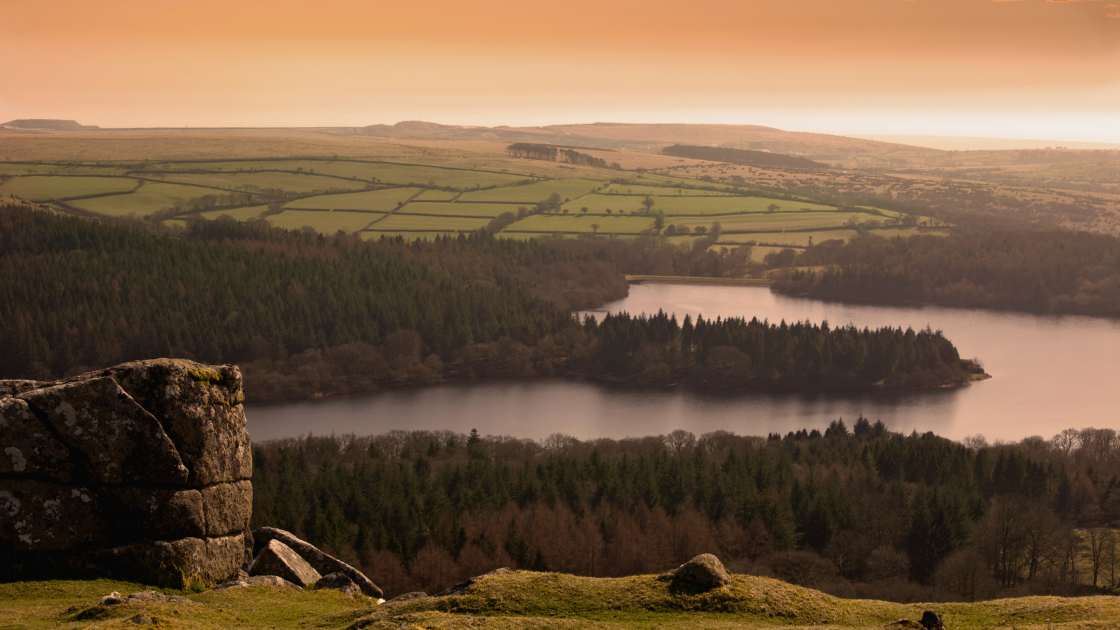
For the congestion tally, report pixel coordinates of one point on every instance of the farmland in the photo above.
(328, 222)
(44, 188)
(424, 191)
(145, 200)
(374, 200)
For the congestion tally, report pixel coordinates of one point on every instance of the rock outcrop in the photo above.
(279, 560)
(139, 472)
(322, 562)
(705, 570)
(338, 582)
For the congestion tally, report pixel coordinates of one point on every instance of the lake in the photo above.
(1049, 373)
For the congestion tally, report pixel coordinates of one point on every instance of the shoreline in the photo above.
(622, 384)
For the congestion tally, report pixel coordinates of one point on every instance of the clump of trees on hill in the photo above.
(1041, 271)
(762, 159)
(859, 512)
(553, 154)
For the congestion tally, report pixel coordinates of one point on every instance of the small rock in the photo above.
(155, 596)
(279, 559)
(932, 620)
(338, 582)
(257, 580)
(408, 597)
(141, 620)
(112, 599)
(705, 570)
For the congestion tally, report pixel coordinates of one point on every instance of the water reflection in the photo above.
(1050, 373)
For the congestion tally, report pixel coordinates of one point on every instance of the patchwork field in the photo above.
(680, 206)
(400, 222)
(666, 190)
(291, 182)
(375, 200)
(487, 210)
(538, 191)
(145, 200)
(570, 223)
(429, 190)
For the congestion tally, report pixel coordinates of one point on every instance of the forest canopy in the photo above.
(856, 510)
(307, 315)
(1041, 271)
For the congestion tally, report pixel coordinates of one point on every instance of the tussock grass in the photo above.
(535, 600)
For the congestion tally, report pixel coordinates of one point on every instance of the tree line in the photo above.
(1047, 271)
(861, 512)
(553, 154)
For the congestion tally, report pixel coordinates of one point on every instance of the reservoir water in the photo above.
(1049, 373)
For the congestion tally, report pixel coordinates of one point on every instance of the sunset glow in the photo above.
(1029, 68)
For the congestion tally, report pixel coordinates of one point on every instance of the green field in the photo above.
(241, 214)
(774, 222)
(385, 172)
(23, 168)
(376, 200)
(397, 222)
(538, 191)
(292, 182)
(325, 222)
(432, 211)
(43, 188)
(661, 191)
(434, 194)
(570, 223)
(146, 200)
(487, 210)
(689, 206)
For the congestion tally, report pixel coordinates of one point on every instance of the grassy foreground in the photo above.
(534, 600)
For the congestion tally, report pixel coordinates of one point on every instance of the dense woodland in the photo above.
(857, 512)
(82, 294)
(763, 159)
(736, 354)
(307, 315)
(1046, 271)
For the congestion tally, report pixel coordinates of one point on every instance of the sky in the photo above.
(994, 68)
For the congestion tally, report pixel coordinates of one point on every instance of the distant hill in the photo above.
(47, 123)
(763, 159)
(654, 137)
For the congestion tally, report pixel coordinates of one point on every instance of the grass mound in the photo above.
(522, 599)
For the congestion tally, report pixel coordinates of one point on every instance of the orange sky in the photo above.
(1018, 68)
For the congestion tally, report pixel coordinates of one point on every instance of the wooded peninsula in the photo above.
(307, 315)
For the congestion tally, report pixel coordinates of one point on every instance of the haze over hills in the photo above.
(972, 143)
(652, 137)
